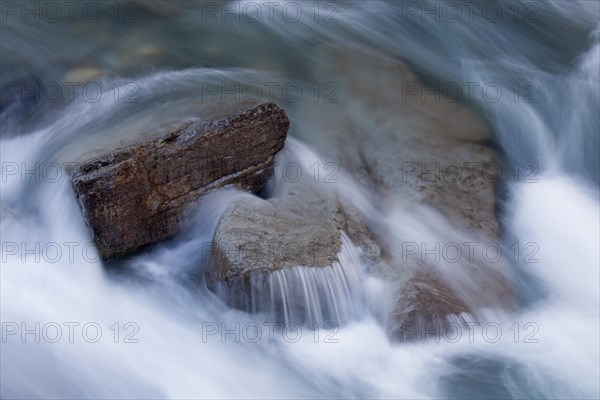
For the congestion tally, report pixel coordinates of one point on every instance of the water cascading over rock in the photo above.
(428, 158)
(289, 258)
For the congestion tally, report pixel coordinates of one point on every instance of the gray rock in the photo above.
(137, 195)
(408, 147)
(288, 256)
(413, 141)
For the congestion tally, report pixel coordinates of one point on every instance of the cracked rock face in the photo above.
(137, 195)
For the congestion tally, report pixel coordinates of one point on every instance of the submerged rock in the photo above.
(420, 150)
(433, 151)
(137, 195)
(82, 75)
(417, 145)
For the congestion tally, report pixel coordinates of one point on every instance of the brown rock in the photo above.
(137, 195)
(423, 307)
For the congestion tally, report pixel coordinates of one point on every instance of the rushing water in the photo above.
(181, 341)
(331, 295)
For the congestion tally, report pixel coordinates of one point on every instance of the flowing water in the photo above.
(162, 335)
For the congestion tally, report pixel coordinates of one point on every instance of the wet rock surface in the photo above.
(256, 236)
(425, 307)
(418, 148)
(432, 151)
(137, 195)
(292, 256)
(298, 229)
(426, 149)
